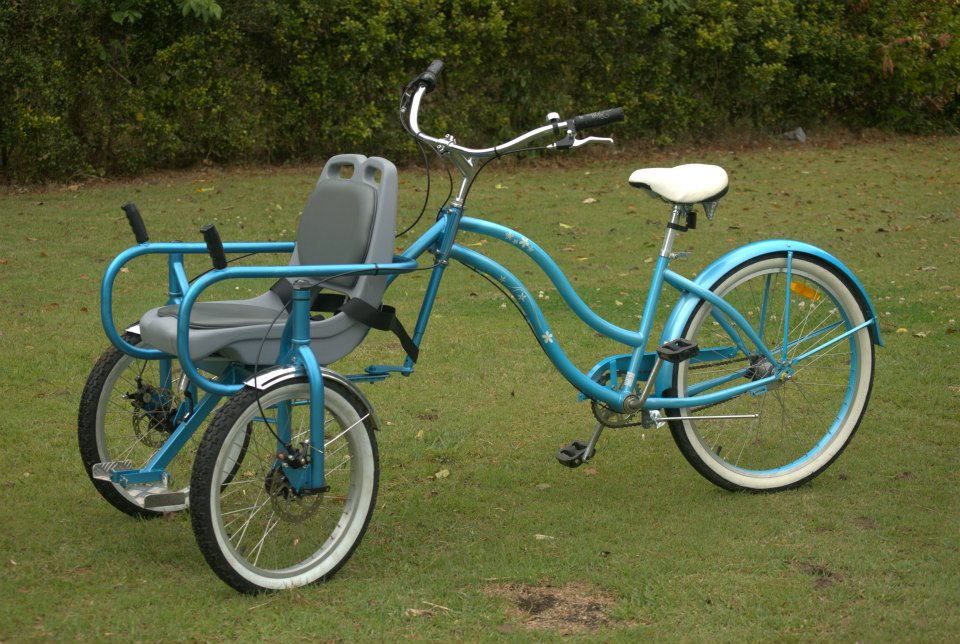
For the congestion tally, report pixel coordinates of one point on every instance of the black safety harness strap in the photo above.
(383, 318)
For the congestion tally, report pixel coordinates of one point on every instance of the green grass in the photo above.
(866, 552)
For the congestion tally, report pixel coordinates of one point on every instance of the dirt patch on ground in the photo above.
(574, 609)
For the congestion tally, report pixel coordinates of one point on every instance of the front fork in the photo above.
(302, 464)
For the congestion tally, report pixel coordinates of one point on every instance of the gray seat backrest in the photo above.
(350, 218)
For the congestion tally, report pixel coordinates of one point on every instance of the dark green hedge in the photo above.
(123, 86)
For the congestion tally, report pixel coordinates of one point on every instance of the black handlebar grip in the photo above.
(214, 246)
(136, 222)
(429, 78)
(596, 119)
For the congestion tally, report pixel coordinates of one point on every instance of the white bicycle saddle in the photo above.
(684, 184)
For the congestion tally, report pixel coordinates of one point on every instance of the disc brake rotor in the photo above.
(286, 502)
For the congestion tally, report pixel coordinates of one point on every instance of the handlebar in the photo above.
(428, 78)
(596, 119)
(564, 132)
(214, 246)
(136, 222)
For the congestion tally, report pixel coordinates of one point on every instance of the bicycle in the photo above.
(763, 371)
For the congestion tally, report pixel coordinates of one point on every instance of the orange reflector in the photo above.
(805, 291)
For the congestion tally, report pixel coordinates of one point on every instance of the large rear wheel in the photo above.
(805, 418)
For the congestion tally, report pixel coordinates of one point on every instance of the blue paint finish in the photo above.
(255, 272)
(556, 276)
(706, 399)
(539, 324)
(177, 283)
(646, 322)
(309, 362)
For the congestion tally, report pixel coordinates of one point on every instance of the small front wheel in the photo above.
(254, 529)
(127, 411)
(801, 308)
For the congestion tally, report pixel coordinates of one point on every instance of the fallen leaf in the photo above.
(565, 226)
(920, 334)
(442, 474)
(542, 537)
(418, 612)
(902, 330)
(589, 200)
(544, 486)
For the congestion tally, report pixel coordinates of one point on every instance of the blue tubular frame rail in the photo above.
(439, 240)
(178, 282)
(254, 272)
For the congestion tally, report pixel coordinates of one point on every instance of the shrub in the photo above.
(124, 86)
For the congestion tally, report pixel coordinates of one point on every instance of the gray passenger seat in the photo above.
(347, 220)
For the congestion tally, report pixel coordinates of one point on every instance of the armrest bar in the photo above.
(399, 265)
(164, 248)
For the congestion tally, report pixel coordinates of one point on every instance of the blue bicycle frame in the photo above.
(440, 239)
(636, 365)
(612, 382)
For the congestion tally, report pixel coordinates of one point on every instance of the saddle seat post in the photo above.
(674, 226)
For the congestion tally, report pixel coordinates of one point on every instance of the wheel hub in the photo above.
(286, 501)
(153, 414)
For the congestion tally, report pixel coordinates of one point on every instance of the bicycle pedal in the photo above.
(676, 351)
(573, 454)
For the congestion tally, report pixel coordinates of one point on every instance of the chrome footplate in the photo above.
(157, 497)
(150, 495)
(102, 471)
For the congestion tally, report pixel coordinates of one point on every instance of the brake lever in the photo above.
(570, 141)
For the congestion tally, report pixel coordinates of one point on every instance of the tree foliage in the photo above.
(123, 86)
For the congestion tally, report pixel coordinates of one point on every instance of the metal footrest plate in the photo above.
(102, 471)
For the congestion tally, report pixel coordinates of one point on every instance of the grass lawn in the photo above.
(478, 532)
